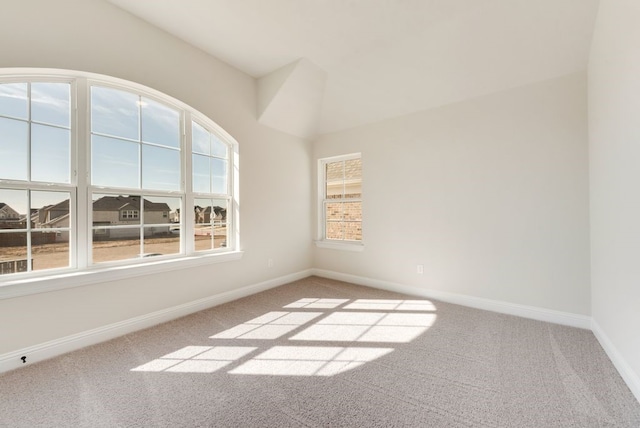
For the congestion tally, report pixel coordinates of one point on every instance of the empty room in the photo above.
(306, 213)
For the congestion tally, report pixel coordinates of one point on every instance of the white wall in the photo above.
(490, 195)
(614, 151)
(94, 36)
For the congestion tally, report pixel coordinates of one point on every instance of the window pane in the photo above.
(333, 211)
(110, 244)
(109, 210)
(114, 112)
(335, 190)
(220, 209)
(50, 209)
(200, 139)
(13, 209)
(203, 209)
(220, 223)
(334, 171)
(50, 249)
(353, 189)
(160, 124)
(160, 168)
(353, 230)
(334, 176)
(158, 210)
(159, 242)
(50, 151)
(353, 178)
(13, 100)
(14, 144)
(201, 174)
(203, 238)
(50, 103)
(211, 224)
(335, 230)
(218, 148)
(352, 211)
(13, 253)
(353, 169)
(219, 182)
(114, 162)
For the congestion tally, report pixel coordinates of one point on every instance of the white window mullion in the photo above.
(29, 126)
(233, 214)
(83, 211)
(187, 215)
(28, 221)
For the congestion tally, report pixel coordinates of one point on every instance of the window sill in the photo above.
(341, 245)
(42, 284)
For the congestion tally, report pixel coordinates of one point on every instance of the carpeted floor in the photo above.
(322, 353)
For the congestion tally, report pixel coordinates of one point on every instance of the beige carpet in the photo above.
(321, 353)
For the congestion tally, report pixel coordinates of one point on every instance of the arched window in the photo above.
(96, 171)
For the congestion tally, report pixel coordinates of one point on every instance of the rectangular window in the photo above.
(211, 187)
(341, 198)
(136, 144)
(36, 189)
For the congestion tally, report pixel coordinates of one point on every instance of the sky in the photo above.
(135, 143)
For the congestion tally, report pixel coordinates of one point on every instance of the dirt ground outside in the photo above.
(50, 256)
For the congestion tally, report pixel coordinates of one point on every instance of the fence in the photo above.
(13, 266)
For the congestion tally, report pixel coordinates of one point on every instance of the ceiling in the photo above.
(387, 58)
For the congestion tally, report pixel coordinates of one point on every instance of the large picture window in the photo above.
(147, 178)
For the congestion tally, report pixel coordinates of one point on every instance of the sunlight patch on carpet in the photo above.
(316, 303)
(392, 305)
(368, 327)
(269, 326)
(309, 360)
(196, 359)
(361, 321)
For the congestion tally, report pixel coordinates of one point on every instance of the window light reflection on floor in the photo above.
(309, 360)
(392, 305)
(269, 326)
(344, 320)
(196, 359)
(368, 327)
(316, 303)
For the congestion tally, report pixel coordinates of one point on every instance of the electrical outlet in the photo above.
(420, 269)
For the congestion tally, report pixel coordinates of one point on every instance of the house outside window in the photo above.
(340, 200)
(58, 212)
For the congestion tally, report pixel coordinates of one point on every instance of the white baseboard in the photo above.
(531, 312)
(54, 348)
(630, 377)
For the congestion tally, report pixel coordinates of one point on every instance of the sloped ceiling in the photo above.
(386, 58)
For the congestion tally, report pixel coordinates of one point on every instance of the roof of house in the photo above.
(205, 210)
(117, 203)
(64, 205)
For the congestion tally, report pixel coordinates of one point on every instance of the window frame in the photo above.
(81, 270)
(30, 185)
(322, 241)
